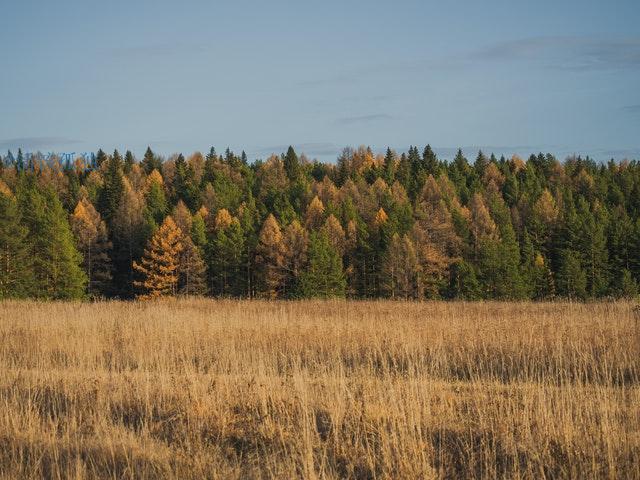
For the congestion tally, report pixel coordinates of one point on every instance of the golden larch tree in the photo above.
(159, 265)
(270, 258)
(93, 242)
(315, 214)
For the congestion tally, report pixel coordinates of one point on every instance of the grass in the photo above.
(363, 390)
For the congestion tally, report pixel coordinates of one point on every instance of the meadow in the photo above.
(200, 388)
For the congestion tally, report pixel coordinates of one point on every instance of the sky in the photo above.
(507, 77)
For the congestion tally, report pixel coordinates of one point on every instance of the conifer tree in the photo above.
(226, 256)
(315, 214)
(129, 233)
(101, 157)
(112, 189)
(335, 233)
(429, 161)
(291, 164)
(159, 266)
(93, 243)
(192, 270)
(184, 185)
(324, 275)
(296, 243)
(270, 259)
(156, 201)
(150, 162)
(463, 283)
(388, 167)
(16, 262)
(571, 279)
(401, 269)
(129, 162)
(56, 261)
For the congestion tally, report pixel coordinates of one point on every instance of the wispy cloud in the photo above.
(363, 119)
(566, 52)
(37, 143)
(158, 50)
(634, 109)
(311, 148)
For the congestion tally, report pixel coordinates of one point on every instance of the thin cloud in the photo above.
(566, 52)
(157, 50)
(635, 109)
(37, 143)
(363, 119)
(311, 148)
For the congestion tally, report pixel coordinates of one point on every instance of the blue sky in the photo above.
(507, 76)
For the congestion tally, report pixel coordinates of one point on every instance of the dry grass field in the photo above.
(363, 390)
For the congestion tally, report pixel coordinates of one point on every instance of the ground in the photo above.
(336, 389)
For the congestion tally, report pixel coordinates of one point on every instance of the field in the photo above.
(363, 390)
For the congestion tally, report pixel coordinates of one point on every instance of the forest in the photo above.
(400, 225)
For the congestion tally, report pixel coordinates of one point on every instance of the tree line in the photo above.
(402, 226)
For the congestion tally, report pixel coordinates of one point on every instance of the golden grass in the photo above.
(233, 389)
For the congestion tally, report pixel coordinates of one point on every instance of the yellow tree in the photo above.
(296, 243)
(93, 242)
(335, 233)
(270, 258)
(315, 214)
(159, 265)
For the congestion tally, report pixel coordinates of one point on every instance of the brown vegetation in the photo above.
(232, 389)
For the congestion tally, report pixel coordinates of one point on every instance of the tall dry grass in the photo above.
(229, 389)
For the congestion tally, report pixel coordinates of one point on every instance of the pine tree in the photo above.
(324, 276)
(16, 262)
(93, 243)
(160, 264)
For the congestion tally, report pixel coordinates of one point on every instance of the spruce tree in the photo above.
(571, 279)
(291, 164)
(16, 261)
(129, 161)
(324, 275)
(150, 162)
(112, 189)
(56, 261)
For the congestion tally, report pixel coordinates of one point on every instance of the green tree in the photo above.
(571, 278)
(324, 276)
(291, 164)
(56, 261)
(112, 188)
(16, 262)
